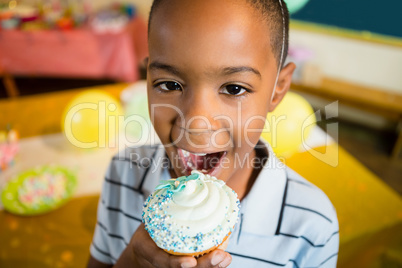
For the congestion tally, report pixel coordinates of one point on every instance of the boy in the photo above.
(214, 72)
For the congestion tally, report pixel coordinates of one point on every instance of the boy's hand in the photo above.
(216, 258)
(146, 253)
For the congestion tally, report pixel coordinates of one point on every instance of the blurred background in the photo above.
(55, 55)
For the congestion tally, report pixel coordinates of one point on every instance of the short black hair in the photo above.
(274, 12)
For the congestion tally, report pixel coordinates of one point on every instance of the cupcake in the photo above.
(191, 215)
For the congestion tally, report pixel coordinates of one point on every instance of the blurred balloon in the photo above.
(295, 5)
(91, 119)
(289, 125)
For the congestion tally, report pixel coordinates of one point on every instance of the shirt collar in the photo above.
(262, 206)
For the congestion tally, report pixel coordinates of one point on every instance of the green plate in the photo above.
(21, 197)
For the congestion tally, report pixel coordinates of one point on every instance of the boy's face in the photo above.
(211, 73)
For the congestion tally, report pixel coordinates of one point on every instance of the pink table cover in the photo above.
(79, 53)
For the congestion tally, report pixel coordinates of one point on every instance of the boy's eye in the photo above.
(169, 86)
(234, 90)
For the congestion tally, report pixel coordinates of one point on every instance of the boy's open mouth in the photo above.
(206, 163)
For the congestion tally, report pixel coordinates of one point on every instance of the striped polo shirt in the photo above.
(285, 221)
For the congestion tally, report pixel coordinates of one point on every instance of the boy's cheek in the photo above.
(161, 113)
(161, 127)
(252, 129)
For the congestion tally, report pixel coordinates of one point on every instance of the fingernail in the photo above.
(217, 258)
(187, 265)
(225, 263)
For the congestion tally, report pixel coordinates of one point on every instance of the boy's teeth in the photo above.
(187, 154)
(199, 154)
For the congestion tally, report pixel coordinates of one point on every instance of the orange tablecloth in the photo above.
(75, 53)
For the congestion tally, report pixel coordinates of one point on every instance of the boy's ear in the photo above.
(283, 85)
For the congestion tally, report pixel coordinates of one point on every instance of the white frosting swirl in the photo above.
(195, 218)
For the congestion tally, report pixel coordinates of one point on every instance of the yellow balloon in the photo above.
(91, 120)
(289, 125)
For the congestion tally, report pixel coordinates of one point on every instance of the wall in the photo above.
(361, 62)
(356, 61)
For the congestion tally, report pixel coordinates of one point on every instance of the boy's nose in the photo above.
(201, 122)
(200, 112)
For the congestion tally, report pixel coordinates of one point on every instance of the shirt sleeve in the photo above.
(99, 248)
(120, 205)
(325, 255)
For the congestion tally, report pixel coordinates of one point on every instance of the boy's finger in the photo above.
(182, 262)
(146, 249)
(217, 258)
(156, 256)
(226, 262)
(163, 259)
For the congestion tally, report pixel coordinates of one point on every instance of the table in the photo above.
(369, 212)
(77, 53)
(30, 115)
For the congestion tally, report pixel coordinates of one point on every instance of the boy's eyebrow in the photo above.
(226, 71)
(239, 69)
(158, 65)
